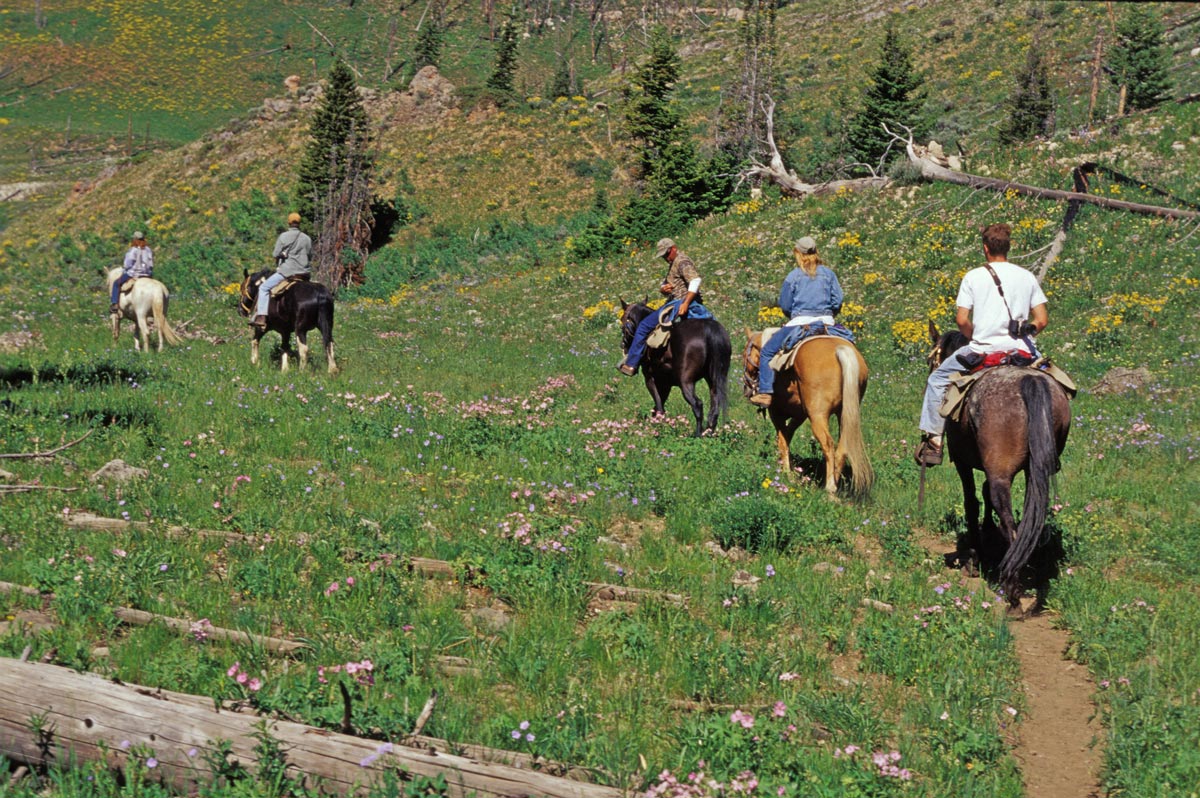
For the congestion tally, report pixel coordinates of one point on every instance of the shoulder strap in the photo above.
(1000, 288)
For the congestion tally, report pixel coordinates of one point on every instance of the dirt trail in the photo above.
(1055, 750)
(1058, 728)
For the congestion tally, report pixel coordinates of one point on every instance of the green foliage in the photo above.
(1031, 105)
(338, 145)
(650, 118)
(894, 97)
(500, 82)
(765, 523)
(427, 51)
(1139, 58)
(564, 83)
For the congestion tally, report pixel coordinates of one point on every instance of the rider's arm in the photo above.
(692, 290)
(1039, 316)
(836, 296)
(962, 318)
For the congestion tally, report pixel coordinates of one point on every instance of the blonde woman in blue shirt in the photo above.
(810, 297)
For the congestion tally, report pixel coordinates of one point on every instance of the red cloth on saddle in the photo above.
(1016, 357)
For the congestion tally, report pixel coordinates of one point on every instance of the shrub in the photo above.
(768, 523)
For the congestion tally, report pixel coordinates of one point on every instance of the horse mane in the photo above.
(951, 341)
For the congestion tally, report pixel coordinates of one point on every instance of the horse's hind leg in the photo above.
(143, 332)
(688, 389)
(1000, 493)
(971, 542)
(329, 357)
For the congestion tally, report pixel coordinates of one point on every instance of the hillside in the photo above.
(478, 420)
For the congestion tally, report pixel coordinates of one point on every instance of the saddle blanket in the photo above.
(661, 334)
(960, 384)
(287, 283)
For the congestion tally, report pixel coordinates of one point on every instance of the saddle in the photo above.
(127, 286)
(960, 384)
(661, 335)
(287, 283)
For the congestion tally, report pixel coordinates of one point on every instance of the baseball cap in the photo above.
(664, 246)
(806, 245)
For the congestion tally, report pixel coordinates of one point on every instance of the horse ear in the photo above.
(245, 273)
(749, 333)
(933, 332)
(624, 304)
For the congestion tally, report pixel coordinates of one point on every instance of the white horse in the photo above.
(147, 297)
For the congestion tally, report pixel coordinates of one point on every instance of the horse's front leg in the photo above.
(115, 320)
(688, 389)
(785, 429)
(258, 334)
(658, 393)
(971, 542)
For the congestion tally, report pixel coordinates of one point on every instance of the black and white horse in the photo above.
(302, 307)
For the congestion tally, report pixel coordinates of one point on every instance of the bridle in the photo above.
(628, 328)
(934, 358)
(749, 384)
(246, 303)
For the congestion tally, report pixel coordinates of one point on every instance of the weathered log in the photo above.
(621, 593)
(48, 452)
(932, 171)
(88, 718)
(275, 645)
(83, 520)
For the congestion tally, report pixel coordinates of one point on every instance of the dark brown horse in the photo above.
(1013, 419)
(827, 379)
(301, 308)
(698, 349)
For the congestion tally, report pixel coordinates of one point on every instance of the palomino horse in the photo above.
(147, 298)
(1013, 419)
(698, 349)
(828, 378)
(297, 310)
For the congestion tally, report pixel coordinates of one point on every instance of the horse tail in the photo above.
(720, 352)
(159, 308)
(850, 422)
(1043, 460)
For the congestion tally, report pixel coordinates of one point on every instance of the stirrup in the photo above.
(928, 453)
(761, 400)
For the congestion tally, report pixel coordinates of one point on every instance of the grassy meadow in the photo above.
(478, 419)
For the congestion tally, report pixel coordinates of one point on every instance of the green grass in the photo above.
(478, 420)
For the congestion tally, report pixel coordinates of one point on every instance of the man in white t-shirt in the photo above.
(986, 313)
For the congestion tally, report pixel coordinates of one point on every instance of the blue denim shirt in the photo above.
(819, 295)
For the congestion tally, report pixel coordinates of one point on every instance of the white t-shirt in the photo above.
(988, 314)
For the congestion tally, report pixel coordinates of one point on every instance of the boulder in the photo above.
(119, 471)
(428, 87)
(1121, 380)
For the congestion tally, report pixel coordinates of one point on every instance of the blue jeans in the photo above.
(116, 287)
(766, 374)
(264, 293)
(935, 391)
(637, 347)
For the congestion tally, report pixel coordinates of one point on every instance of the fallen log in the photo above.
(48, 452)
(84, 520)
(638, 594)
(85, 717)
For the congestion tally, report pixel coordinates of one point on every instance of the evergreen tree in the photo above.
(893, 98)
(428, 48)
(333, 190)
(1031, 105)
(1139, 59)
(564, 82)
(501, 80)
(649, 117)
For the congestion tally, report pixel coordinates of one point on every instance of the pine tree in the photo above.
(649, 117)
(428, 48)
(1031, 105)
(501, 80)
(333, 190)
(1139, 59)
(893, 98)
